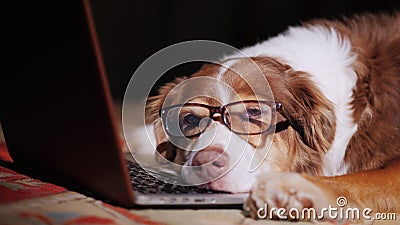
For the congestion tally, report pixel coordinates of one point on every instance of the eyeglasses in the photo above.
(247, 117)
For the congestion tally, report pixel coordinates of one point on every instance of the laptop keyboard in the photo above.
(145, 183)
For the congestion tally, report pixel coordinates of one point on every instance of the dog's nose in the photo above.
(211, 162)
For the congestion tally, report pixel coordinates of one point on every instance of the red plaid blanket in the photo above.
(24, 200)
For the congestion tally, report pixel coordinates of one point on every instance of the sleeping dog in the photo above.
(331, 128)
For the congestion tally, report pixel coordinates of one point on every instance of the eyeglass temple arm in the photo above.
(283, 125)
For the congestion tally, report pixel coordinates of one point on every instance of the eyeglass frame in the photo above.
(275, 106)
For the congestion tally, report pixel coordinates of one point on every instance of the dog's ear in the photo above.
(166, 150)
(164, 147)
(310, 111)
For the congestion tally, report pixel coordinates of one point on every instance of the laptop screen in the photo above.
(56, 107)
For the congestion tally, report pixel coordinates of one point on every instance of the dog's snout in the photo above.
(211, 162)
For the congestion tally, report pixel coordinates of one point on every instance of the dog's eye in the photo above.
(253, 112)
(191, 120)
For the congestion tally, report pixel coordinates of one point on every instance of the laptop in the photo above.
(57, 112)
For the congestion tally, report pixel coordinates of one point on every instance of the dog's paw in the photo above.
(276, 195)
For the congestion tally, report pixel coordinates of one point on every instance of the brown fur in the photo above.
(376, 41)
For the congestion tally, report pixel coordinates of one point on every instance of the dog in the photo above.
(335, 115)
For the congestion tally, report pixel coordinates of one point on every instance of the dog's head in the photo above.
(226, 123)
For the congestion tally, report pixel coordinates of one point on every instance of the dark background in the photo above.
(131, 31)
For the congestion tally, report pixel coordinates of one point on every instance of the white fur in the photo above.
(225, 91)
(327, 57)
